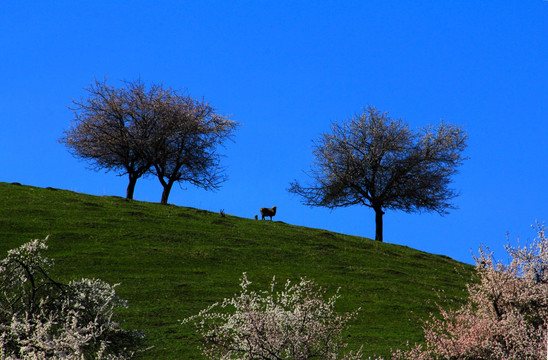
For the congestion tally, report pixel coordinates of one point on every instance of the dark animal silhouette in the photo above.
(268, 212)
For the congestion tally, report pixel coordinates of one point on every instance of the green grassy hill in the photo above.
(173, 261)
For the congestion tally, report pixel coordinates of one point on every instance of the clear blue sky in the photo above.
(285, 70)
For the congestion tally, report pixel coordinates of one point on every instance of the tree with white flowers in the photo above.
(41, 318)
(297, 322)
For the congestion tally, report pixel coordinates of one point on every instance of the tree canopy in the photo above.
(379, 162)
(182, 146)
(139, 130)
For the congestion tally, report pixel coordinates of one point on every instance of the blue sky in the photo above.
(285, 70)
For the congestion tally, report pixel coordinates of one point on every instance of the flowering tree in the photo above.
(139, 130)
(375, 161)
(41, 318)
(112, 126)
(182, 146)
(506, 316)
(295, 323)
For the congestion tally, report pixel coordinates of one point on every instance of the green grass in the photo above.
(173, 261)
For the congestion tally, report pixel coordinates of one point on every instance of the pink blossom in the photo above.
(506, 316)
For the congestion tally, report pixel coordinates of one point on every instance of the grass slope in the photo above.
(173, 261)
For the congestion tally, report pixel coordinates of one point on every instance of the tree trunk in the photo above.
(131, 186)
(378, 223)
(165, 193)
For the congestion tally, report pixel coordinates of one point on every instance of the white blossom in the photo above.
(294, 323)
(41, 318)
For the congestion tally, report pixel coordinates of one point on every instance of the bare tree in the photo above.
(137, 130)
(378, 162)
(183, 146)
(111, 128)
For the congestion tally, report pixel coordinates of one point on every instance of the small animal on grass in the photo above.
(268, 212)
(256, 217)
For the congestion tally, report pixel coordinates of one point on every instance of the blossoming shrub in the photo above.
(294, 323)
(506, 316)
(41, 318)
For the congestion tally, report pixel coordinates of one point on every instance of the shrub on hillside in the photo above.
(506, 316)
(41, 318)
(295, 323)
